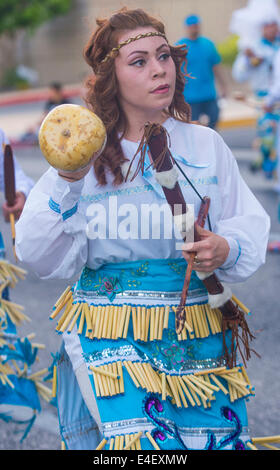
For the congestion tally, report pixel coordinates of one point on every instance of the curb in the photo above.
(31, 96)
(234, 123)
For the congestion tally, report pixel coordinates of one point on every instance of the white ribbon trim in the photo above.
(217, 300)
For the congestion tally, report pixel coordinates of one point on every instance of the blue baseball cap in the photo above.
(192, 19)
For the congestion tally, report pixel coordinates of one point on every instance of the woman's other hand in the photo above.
(16, 209)
(211, 251)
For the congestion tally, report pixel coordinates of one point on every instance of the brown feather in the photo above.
(9, 176)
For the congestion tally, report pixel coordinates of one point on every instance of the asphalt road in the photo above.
(261, 293)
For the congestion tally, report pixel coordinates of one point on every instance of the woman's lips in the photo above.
(161, 89)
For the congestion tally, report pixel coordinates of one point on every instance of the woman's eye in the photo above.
(138, 62)
(164, 56)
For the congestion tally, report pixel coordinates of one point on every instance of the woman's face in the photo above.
(146, 73)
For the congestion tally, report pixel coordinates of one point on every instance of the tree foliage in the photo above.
(29, 14)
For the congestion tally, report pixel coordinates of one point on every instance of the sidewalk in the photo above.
(237, 114)
(233, 113)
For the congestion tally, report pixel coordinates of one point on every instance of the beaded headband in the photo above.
(128, 41)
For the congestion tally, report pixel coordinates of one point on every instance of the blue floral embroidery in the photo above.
(133, 275)
(142, 270)
(173, 353)
(106, 285)
(109, 286)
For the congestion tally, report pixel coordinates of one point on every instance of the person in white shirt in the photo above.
(253, 63)
(111, 229)
(23, 183)
(257, 28)
(272, 99)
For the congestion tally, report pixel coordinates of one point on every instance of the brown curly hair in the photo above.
(102, 86)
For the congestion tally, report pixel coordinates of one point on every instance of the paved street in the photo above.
(260, 293)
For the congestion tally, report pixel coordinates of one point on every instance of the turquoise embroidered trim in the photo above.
(144, 275)
(70, 212)
(144, 188)
(237, 258)
(56, 208)
(239, 252)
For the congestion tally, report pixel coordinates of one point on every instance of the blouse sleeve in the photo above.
(243, 223)
(51, 232)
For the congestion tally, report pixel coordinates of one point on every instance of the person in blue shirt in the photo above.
(203, 68)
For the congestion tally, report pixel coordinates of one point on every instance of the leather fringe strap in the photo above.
(241, 336)
(233, 312)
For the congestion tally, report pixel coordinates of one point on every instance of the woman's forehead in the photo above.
(145, 43)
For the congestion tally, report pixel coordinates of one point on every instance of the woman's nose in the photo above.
(157, 69)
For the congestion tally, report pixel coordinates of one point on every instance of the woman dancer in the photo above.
(125, 378)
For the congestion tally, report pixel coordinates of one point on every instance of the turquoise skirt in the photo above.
(153, 389)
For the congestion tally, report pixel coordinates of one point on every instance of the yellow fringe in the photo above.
(197, 389)
(148, 322)
(123, 442)
(36, 377)
(14, 311)
(265, 442)
(108, 379)
(152, 441)
(9, 273)
(54, 381)
(102, 444)
(133, 442)
(201, 321)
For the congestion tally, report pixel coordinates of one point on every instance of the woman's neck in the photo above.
(136, 123)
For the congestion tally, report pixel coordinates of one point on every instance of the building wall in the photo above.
(55, 50)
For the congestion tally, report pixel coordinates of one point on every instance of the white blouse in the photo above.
(65, 226)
